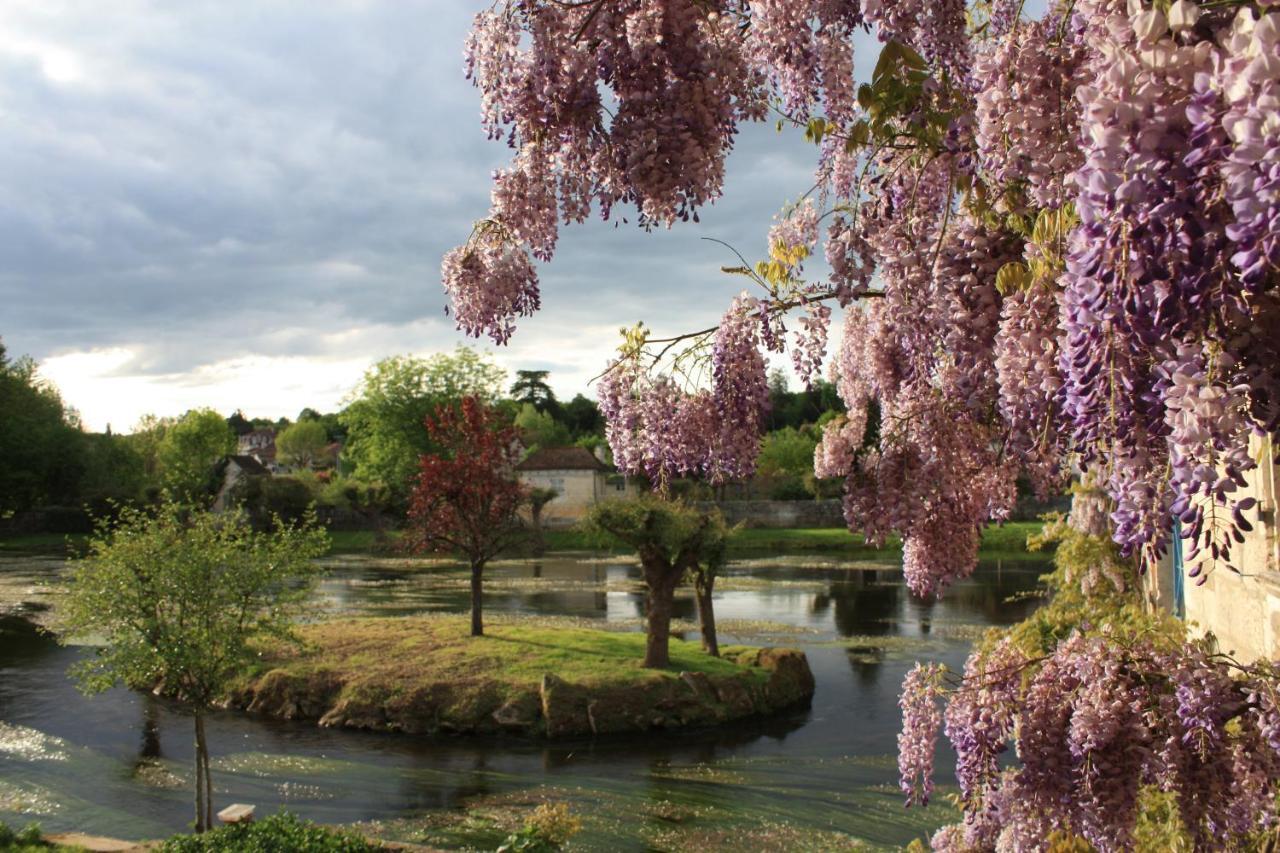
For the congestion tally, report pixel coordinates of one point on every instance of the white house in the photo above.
(580, 479)
(237, 468)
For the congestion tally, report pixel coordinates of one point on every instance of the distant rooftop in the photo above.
(249, 465)
(562, 459)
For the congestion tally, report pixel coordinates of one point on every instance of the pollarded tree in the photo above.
(1056, 241)
(675, 543)
(179, 597)
(467, 498)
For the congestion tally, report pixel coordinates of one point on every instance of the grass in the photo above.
(422, 650)
(43, 543)
(1007, 541)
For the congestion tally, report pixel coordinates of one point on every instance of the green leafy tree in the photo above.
(145, 440)
(674, 542)
(540, 429)
(239, 424)
(384, 418)
(189, 451)
(179, 599)
(531, 388)
(786, 458)
(41, 451)
(303, 444)
(582, 416)
(113, 470)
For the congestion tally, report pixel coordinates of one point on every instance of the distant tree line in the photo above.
(48, 459)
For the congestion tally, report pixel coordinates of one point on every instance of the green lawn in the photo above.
(1007, 541)
(420, 650)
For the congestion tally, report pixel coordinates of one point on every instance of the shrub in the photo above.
(546, 831)
(275, 834)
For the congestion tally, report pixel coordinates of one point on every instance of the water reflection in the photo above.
(779, 767)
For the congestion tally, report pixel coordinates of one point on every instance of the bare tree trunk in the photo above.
(539, 543)
(477, 618)
(201, 826)
(208, 778)
(662, 588)
(703, 583)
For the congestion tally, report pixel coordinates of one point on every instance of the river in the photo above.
(822, 778)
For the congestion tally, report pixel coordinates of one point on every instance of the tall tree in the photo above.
(582, 416)
(303, 444)
(531, 388)
(189, 451)
(178, 599)
(384, 417)
(540, 429)
(467, 497)
(41, 449)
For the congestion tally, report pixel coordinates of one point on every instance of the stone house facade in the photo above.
(1241, 610)
(580, 479)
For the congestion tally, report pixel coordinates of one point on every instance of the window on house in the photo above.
(557, 483)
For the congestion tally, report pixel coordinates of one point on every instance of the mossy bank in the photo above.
(422, 675)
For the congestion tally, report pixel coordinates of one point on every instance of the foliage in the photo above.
(674, 542)
(385, 415)
(145, 440)
(1101, 698)
(177, 596)
(962, 194)
(531, 388)
(265, 498)
(302, 445)
(274, 834)
(113, 470)
(547, 830)
(40, 444)
(467, 497)
(582, 416)
(189, 450)
(540, 429)
(30, 837)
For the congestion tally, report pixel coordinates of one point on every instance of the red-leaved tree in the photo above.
(467, 497)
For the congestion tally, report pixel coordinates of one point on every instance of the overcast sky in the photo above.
(244, 204)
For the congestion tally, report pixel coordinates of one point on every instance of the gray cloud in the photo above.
(202, 180)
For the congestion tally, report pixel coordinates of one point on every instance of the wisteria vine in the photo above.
(1056, 245)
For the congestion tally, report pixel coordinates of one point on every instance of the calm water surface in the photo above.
(116, 763)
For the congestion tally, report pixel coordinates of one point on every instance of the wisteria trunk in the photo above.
(477, 613)
(703, 583)
(662, 588)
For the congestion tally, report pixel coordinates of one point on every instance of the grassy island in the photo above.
(425, 674)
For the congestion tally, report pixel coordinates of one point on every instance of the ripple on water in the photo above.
(28, 744)
(21, 798)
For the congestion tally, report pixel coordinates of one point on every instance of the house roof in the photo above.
(562, 459)
(249, 465)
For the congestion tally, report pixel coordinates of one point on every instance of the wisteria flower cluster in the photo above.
(1089, 724)
(1057, 244)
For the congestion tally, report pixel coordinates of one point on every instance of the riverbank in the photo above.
(1007, 541)
(422, 675)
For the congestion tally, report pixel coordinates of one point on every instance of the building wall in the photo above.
(1243, 610)
(579, 491)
